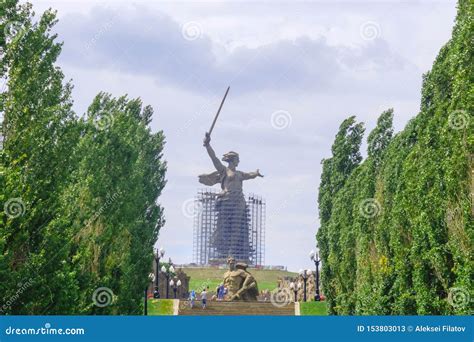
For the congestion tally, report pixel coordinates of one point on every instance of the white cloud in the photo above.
(155, 45)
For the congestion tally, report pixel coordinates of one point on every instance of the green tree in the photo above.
(413, 249)
(80, 195)
(346, 157)
(117, 183)
(380, 137)
(39, 133)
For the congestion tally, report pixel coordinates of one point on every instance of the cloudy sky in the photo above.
(296, 70)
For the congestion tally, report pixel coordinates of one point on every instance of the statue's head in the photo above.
(231, 263)
(232, 158)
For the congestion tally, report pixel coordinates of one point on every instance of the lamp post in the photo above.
(305, 274)
(315, 258)
(145, 303)
(168, 271)
(175, 285)
(302, 273)
(151, 277)
(159, 253)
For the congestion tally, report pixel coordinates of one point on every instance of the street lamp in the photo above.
(159, 253)
(174, 286)
(168, 272)
(295, 290)
(151, 277)
(315, 258)
(305, 274)
(165, 271)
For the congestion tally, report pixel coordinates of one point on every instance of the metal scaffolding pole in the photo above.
(221, 231)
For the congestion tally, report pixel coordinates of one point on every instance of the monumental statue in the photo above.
(240, 284)
(231, 236)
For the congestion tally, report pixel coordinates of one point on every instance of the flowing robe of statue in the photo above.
(231, 237)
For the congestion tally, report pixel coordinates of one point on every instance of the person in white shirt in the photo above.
(204, 298)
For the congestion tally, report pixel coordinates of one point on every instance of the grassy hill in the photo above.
(208, 276)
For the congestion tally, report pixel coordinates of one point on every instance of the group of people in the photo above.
(221, 291)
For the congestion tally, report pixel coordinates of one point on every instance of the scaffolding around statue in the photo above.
(223, 229)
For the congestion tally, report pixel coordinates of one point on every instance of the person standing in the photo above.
(220, 292)
(204, 298)
(192, 298)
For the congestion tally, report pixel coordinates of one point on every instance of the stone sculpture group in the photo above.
(240, 284)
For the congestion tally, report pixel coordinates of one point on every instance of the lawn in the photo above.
(202, 277)
(313, 309)
(161, 307)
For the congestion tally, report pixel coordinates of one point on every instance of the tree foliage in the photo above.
(79, 194)
(397, 230)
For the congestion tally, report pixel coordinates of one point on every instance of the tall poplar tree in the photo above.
(79, 196)
(402, 220)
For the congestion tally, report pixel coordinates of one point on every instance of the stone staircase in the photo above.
(235, 309)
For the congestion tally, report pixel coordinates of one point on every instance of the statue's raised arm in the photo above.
(217, 163)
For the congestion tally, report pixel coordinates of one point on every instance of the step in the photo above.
(236, 309)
